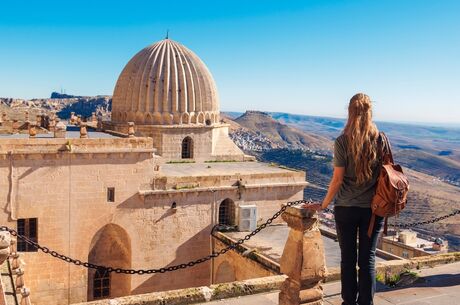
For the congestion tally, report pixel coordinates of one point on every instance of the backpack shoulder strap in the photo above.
(386, 149)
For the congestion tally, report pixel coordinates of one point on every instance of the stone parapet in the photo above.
(57, 145)
(198, 294)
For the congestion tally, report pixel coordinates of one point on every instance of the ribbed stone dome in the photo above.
(165, 84)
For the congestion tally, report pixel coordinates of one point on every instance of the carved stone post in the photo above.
(32, 131)
(131, 131)
(303, 259)
(19, 280)
(15, 125)
(59, 129)
(39, 120)
(52, 123)
(99, 123)
(5, 242)
(72, 118)
(15, 263)
(79, 119)
(83, 131)
(25, 293)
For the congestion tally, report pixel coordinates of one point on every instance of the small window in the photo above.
(187, 148)
(111, 194)
(28, 228)
(405, 254)
(227, 213)
(101, 284)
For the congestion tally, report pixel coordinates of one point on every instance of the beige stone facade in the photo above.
(63, 183)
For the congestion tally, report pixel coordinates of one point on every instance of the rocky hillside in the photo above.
(62, 104)
(269, 130)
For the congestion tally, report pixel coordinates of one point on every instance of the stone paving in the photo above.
(437, 286)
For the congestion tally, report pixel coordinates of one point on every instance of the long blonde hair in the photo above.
(362, 135)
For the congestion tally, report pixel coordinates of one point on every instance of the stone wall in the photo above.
(209, 142)
(234, 266)
(67, 193)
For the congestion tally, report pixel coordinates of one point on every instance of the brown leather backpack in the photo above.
(392, 187)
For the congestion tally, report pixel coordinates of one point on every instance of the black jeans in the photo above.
(353, 222)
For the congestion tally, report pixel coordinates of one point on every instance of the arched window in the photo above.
(187, 148)
(101, 284)
(227, 213)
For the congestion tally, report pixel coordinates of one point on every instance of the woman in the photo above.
(353, 184)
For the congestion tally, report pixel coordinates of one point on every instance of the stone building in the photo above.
(137, 202)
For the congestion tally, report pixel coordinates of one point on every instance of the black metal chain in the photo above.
(160, 270)
(419, 223)
(200, 260)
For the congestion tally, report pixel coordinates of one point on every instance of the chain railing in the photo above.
(159, 270)
(192, 263)
(420, 223)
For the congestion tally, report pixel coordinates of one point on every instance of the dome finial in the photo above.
(167, 34)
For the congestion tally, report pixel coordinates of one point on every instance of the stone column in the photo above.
(83, 131)
(32, 131)
(79, 120)
(131, 131)
(39, 120)
(25, 299)
(52, 123)
(5, 242)
(72, 118)
(303, 259)
(59, 129)
(99, 123)
(15, 125)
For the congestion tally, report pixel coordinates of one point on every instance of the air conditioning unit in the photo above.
(248, 218)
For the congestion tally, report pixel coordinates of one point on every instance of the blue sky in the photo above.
(306, 57)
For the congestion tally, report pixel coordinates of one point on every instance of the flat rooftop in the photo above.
(219, 168)
(270, 242)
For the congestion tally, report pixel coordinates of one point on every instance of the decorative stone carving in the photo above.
(73, 118)
(131, 131)
(5, 241)
(32, 131)
(19, 280)
(15, 263)
(15, 125)
(25, 293)
(303, 259)
(99, 124)
(83, 130)
(59, 129)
